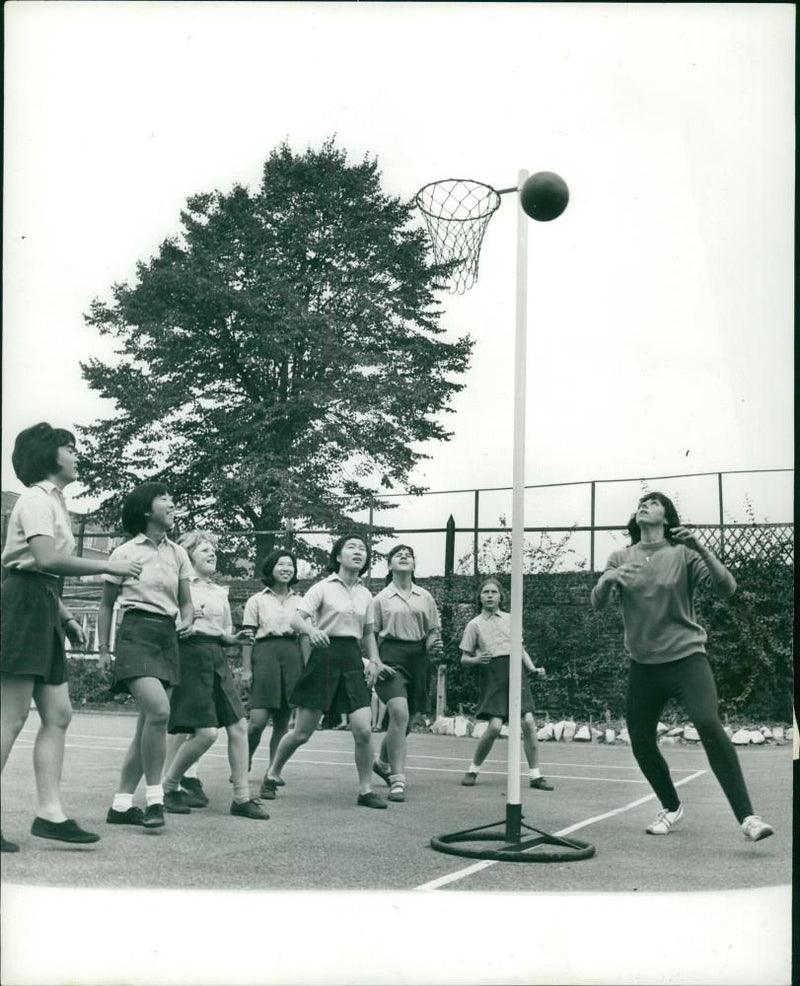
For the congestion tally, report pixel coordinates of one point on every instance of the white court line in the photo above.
(411, 756)
(26, 745)
(485, 864)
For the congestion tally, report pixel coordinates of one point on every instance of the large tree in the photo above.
(281, 359)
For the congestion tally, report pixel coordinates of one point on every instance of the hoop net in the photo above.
(457, 212)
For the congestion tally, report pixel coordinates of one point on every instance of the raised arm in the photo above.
(56, 563)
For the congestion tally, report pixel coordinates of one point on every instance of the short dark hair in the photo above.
(137, 505)
(392, 553)
(494, 581)
(339, 543)
(671, 518)
(36, 450)
(271, 561)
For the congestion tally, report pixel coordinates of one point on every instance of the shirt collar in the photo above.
(272, 592)
(335, 577)
(492, 616)
(142, 538)
(394, 591)
(50, 487)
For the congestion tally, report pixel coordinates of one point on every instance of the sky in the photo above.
(660, 317)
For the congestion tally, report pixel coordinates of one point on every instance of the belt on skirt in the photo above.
(277, 636)
(149, 614)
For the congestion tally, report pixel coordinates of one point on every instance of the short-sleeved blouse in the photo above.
(40, 510)
(405, 617)
(270, 613)
(164, 564)
(338, 609)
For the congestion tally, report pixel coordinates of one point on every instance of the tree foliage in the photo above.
(281, 359)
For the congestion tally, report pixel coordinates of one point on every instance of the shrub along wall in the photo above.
(750, 644)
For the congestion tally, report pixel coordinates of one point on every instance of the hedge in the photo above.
(750, 645)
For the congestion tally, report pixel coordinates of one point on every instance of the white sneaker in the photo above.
(665, 821)
(755, 828)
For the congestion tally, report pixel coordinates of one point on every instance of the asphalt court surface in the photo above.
(318, 839)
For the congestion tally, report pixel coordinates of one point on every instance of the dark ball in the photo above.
(544, 196)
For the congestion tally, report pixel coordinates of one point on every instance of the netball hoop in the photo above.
(457, 212)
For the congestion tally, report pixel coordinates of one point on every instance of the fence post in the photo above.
(81, 535)
(476, 516)
(591, 524)
(441, 691)
(721, 519)
(449, 547)
(447, 612)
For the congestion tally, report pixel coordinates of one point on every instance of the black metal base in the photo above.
(543, 848)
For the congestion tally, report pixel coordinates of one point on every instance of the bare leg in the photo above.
(361, 728)
(16, 692)
(255, 727)
(55, 711)
(395, 740)
(148, 748)
(280, 726)
(530, 740)
(304, 726)
(189, 753)
(238, 756)
(486, 742)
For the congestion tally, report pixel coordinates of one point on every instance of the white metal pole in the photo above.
(518, 506)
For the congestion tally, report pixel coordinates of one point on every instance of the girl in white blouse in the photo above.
(335, 680)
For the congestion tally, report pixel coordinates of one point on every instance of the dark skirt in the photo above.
(207, 695)
(277, 667)
(333, 679)
(146, 647)
(494, 700)
(412, 670)
(32, 639)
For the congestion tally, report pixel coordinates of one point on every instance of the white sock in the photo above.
(535, 772)
(169, 785)
(397, 777)
(154, 794)
(122, 802)
(472, 769)
(382, 764)
(241, 794)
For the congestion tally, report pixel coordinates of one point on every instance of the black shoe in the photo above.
(468, 780)
(541, 783)
(269, 789)
(6, 846)
(131, 816)
(68, 831)
(384, 775)
(153, 817)
(174, 803)
(370, 800)
(250, 809)
(191, 800)
(195, 788)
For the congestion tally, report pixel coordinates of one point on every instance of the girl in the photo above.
(38, 550)
(274, 663)
(156, 607)
(656, 578)
(407, 625)
(334, 680)
(487, 642)
(206, 697)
